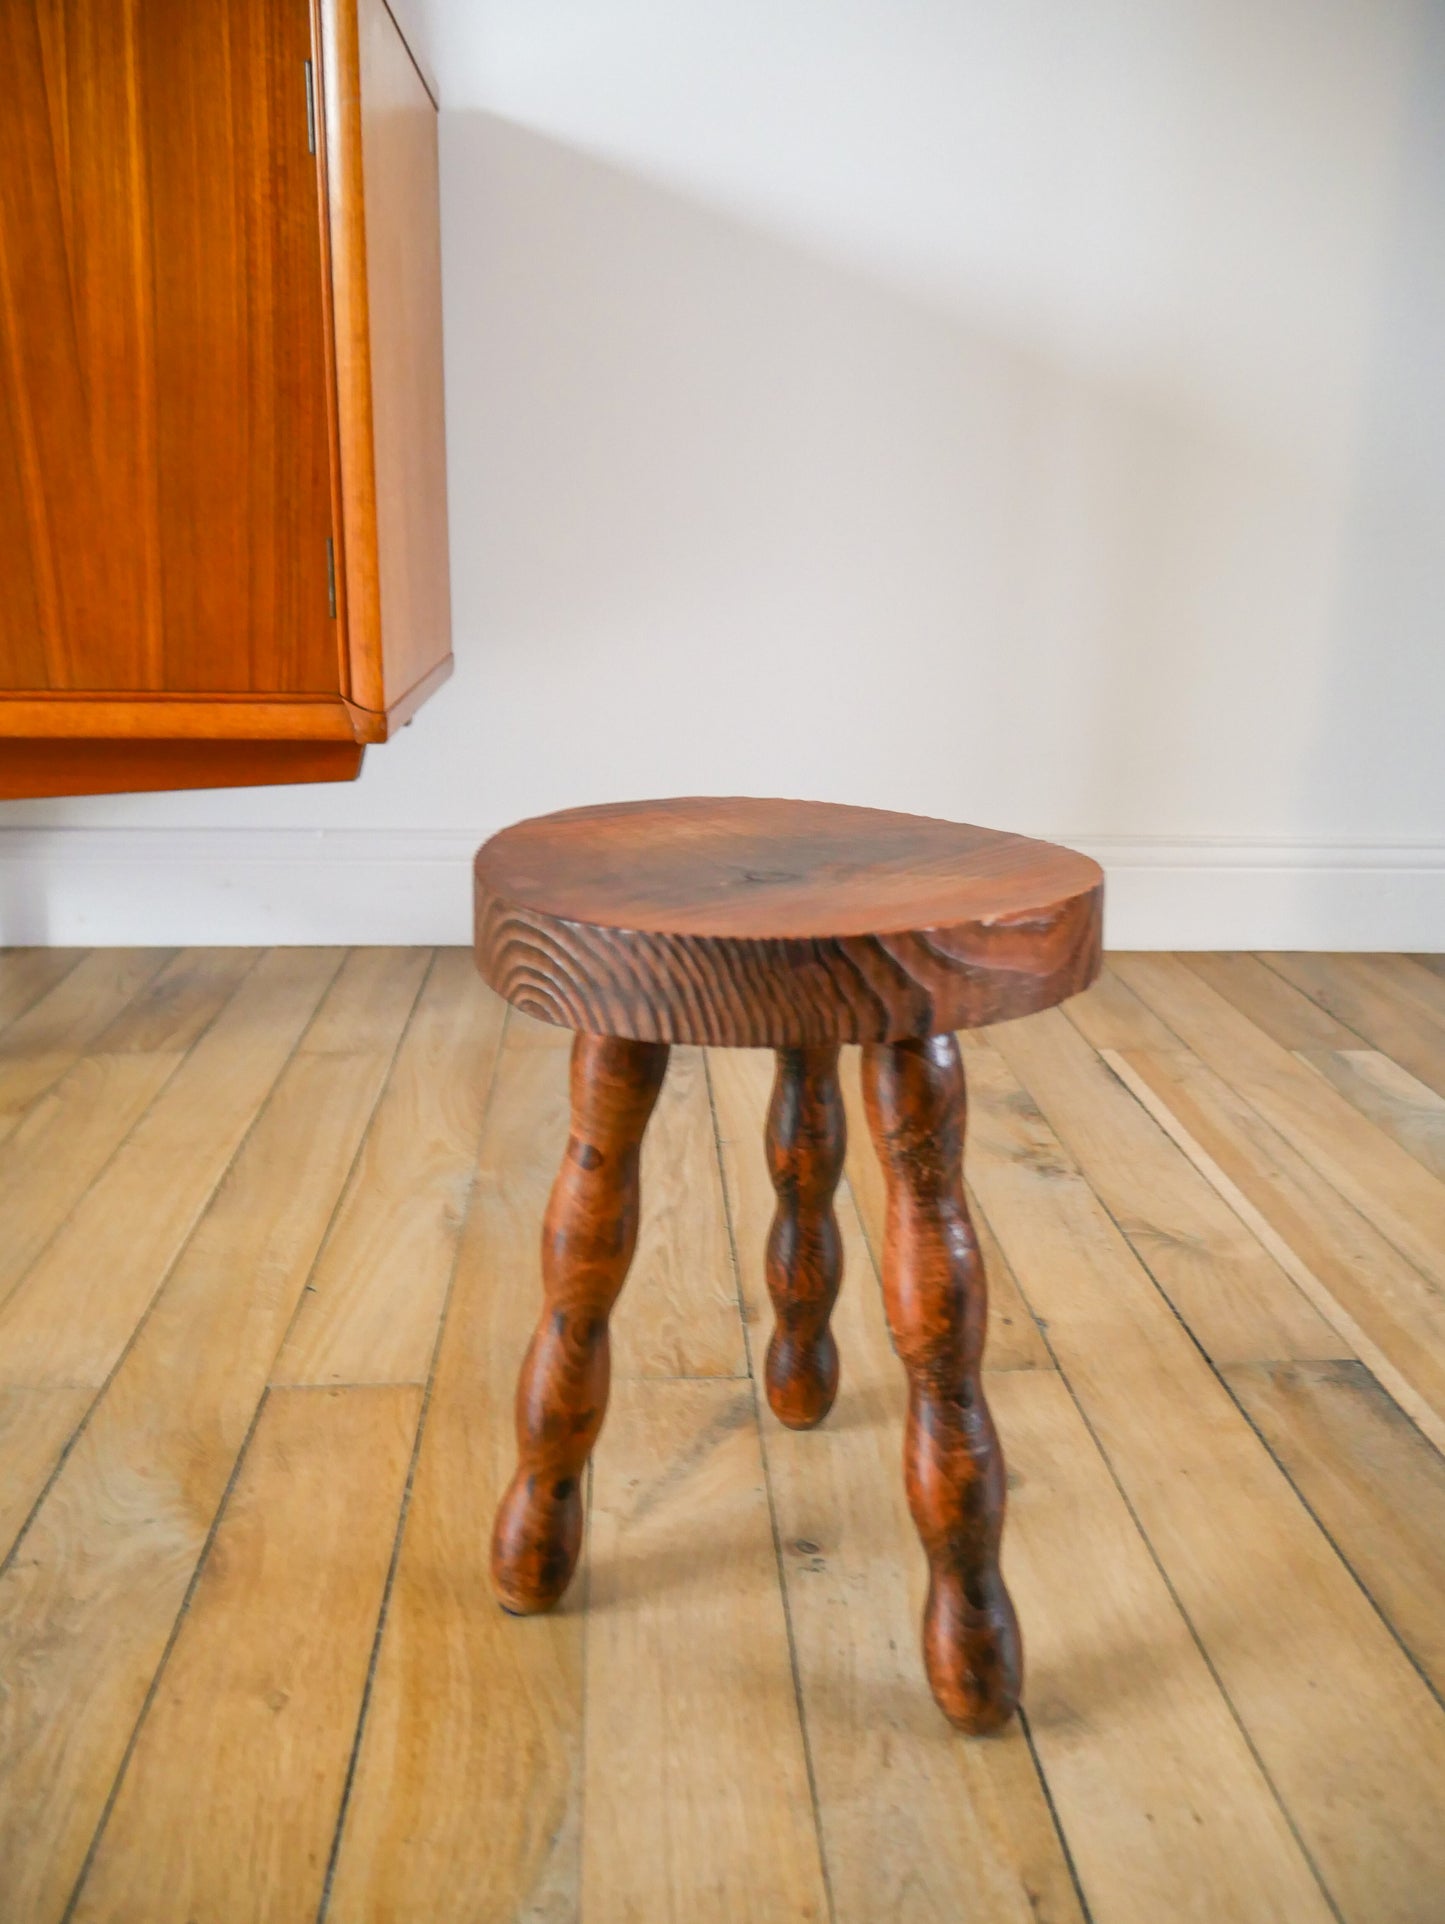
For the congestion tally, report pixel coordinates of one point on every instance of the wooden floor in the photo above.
(269, 1261)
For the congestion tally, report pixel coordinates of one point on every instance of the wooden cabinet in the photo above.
(223, 538)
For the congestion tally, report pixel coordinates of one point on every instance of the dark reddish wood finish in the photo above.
(165, 467)
(779, 924)
(936, 1299)
(806, 1141)
(587, 1243)
(797, 926)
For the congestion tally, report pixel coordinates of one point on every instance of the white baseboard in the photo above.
(82, 887)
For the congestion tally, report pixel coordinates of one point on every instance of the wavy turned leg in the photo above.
(936, 1300)
(588, 1238)
(806, 1139)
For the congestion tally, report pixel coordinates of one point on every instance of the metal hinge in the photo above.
(331, 576)
(310, 109)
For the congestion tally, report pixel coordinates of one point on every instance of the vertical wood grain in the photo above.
(1014, 1341)
(404, 322)
(164, 448)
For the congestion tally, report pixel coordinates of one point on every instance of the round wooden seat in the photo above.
(779, 924)
(796, 926)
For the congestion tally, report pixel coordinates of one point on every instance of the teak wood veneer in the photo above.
(796, 926)
(223, 538)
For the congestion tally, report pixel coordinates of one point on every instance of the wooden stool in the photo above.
(795, 926)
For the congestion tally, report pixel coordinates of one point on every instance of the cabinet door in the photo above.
(165, 484)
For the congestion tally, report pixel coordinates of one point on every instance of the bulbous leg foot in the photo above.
(588, 1238)
(936, 1300)
(806, 1138)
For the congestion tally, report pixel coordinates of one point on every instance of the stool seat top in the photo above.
(779, 923)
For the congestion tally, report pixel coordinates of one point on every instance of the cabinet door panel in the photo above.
(165, 492)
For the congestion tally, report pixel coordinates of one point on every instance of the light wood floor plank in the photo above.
(1238, 1302)
(1408, 977)
(911, 1814)
(1390, 1314)
(63, 1142)
(1385, 1184)
(371, 1308)
(678, 1315)
(1111, 1016)
(38, 1048)
(89, 1600)
(68, 1135)
(696, 1806)
(1393, 1099)
(1361, 992)
(35, 1426)
(178, 1003)
(72, 1314)
(1165, 1808)
(1350, 1735)
(1014, 1340)
(1372, 1480)
(28, 974)
(1270, 1002)
(230, 1797)
(1229, 1573)
(467, 1796)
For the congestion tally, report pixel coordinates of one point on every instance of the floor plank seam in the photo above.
(39, 1095)
(1053, 1810)
(344, 1187)
(1046, 1790)
(1198, 1642)
(1328, 1535)
(1283, 1469)
(764, 1455)
(1243, 1095)
(48, 988)
(1143, 1533)
(1392, 1380)
(1428, 1015)
(399, 1538)
(154, 1685)
(8, 1556)
(1224, 1384)
(81, 1198)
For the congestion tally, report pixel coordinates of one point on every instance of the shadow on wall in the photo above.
(728, 515)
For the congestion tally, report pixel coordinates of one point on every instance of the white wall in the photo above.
(1031, 414)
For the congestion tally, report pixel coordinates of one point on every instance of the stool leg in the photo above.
(936, 1300)
(588, 1238)
(806, 1139)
